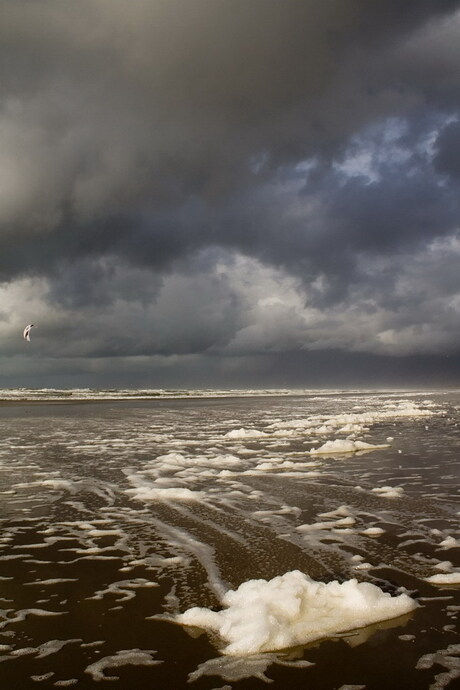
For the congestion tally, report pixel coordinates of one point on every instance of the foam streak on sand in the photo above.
(23, 614)
(125, 657)
(293, 609)
(202, 552)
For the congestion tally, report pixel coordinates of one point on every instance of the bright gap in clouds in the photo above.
(238, 306)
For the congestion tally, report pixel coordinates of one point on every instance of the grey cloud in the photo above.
(172, 98)
(448, 151)
(142, 142)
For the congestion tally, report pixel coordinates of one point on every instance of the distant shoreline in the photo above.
(73, 396)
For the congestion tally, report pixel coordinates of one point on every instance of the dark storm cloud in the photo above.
(448, 151)
(146, 139)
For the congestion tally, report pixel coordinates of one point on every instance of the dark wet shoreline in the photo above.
(77, 541)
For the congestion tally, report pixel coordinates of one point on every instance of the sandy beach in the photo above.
(332, 517)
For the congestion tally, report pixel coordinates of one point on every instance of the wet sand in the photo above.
(94, 557)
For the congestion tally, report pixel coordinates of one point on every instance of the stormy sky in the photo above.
(230, 192)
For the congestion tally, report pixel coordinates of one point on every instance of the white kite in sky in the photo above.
(27, 330)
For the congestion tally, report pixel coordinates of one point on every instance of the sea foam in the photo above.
(292, 609)
(345, 446)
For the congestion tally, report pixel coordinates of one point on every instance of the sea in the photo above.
(229, 539)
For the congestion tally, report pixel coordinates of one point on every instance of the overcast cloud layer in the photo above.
(224, 192)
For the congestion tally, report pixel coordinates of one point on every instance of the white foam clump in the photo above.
(59, 484)
(444, 579)
(292, 609)
(445, 566)
(245, 433)
(345, 446)
(389, 491)
(373, 531)
(150, 493)
(330, 524)
(353, 422)
(449, 543)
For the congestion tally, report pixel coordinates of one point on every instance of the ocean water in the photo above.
(229, 539)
